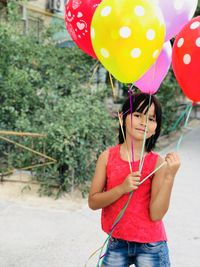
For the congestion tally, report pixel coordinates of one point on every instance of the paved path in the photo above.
(54, 236)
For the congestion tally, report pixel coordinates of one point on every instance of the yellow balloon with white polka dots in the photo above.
(127, 37)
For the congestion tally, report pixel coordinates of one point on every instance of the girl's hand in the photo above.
(131, 182)
(173, 164)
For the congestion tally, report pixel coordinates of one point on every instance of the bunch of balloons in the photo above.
(131, 39)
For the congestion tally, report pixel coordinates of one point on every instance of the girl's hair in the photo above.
(140, 103)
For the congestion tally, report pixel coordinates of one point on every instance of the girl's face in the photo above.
(136, 129)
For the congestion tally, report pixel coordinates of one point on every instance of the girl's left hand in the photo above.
(173, 163)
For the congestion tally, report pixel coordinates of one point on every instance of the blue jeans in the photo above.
(121, 253)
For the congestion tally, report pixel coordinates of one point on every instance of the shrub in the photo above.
(79, 128)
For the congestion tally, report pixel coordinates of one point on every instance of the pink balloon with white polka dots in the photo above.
(186, 59)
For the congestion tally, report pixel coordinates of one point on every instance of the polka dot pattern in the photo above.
(197, 42)
(121, 36)
(104, 53)
(150, 34)
(194, 25)
(106, 11)
(136, 52)
(125, 32)
(92, 33)
(139, 11)
(180, 42)
(186, 59)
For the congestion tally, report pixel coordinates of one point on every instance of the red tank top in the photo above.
(135, 224)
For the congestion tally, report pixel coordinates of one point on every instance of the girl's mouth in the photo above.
(140, 130)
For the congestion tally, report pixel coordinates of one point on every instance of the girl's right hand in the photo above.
(131, 182)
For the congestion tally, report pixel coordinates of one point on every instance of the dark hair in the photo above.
(140, 103)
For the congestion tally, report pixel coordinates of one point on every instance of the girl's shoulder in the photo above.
(106, 153)
(110, 149)
(154, 153)
(159, 158)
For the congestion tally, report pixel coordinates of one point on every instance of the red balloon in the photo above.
(186, 59)
(78, 17)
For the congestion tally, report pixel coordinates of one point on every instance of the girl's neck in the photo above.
(133, 144)
(134, 151)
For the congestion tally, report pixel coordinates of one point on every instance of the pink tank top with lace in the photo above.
(135, 225)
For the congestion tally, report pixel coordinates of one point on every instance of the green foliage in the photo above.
(29, 69)
(44, 89)
(81, 129)
(78, 128)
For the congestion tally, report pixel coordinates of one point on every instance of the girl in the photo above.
(139, 237)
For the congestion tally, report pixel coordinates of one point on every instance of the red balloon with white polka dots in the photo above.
(78, 17)
(186, 59)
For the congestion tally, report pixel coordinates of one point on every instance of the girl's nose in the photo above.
(143, 120)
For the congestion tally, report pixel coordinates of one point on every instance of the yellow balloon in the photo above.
(127, 37)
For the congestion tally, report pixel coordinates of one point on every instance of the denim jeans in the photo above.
(121, 253)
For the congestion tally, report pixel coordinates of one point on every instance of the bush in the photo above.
(78, 128)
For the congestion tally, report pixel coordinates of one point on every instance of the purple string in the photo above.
(132, 150)
(130, 92)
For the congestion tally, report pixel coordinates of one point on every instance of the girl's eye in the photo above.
(136, 115)
(152, 119)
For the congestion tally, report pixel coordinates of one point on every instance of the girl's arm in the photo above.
(98, 198)
(162, 186)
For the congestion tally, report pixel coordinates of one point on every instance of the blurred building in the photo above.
(38, 14)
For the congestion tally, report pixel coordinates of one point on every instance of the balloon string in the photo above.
(129, 161)
(112, 85)
(130, 92)
(118, 218)
(144, 138)
(121, 213)
(185, 126)
(149, 175)
(132, 149)
(154, 74)
(180, 118)
(95, 68)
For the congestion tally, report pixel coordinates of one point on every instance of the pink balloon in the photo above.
(151, 80)
(176, 14)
